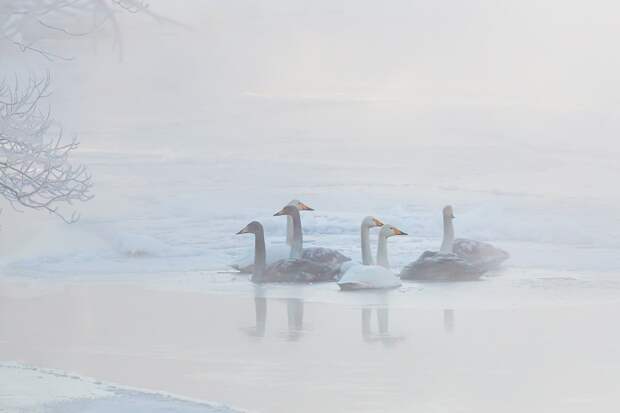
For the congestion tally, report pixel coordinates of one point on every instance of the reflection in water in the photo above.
(366, 314)
(260, 310)
(260, 307)
(295, 316)
(383, 320)
(448, 320)
(383, 325)
(295, 312)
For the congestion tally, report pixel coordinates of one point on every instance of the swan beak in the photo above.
(377, 222)
(399, 232)
(304, 207)
(243, 231)
(280, 212)
(453, 217)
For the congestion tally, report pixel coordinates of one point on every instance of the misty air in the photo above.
(290, 206)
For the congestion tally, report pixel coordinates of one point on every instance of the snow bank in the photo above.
(31, 389)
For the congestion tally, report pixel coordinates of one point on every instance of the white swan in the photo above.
(460, 259)
(367, 223)
(359, 277)
(275, 252)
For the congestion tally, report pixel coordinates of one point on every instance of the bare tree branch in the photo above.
(28, 24)
(35, 171)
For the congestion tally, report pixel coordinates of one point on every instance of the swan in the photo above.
(367, 223)
(277, 251)
(373, 276)
(294, 269)
(319, 255)
(442, 265)
(478, 253)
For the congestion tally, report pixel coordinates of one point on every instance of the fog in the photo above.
(486, 72)
(201, 116)
(356, 82)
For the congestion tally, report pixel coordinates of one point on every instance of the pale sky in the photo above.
(542, 70)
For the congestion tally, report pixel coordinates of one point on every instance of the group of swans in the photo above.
(303, 264)
(457, 259)
(283, 252)
(367, 274)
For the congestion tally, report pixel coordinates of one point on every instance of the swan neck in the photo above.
(382, 253)
(260, 255)
(289, 230)
(448, 236)
(297, 243)
(366, 252)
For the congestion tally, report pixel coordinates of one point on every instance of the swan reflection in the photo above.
(374, 306)
(294, 312)
(448, 320)
(260, 306)
(383, 327)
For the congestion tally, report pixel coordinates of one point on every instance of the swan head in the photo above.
(371, 222)
(389, 231)
(448, 212)
(300, 205)
(289, 210)
(253, 227)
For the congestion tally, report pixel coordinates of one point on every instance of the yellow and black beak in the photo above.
(377, 222)
(304, 207)
(396, 231)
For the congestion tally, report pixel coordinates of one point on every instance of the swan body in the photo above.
(438, 266)
(275, 252)
(298, 270)
(480, 254)
(364, 277)
(446, 264)
(359, 277)
(325, 256)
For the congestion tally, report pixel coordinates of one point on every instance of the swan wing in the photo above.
(326, 256)
(479, 253)
(434, 266)
(297, 271)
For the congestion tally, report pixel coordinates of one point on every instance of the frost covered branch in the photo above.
(35, 171)
(28, 24)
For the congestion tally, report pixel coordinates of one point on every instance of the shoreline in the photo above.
(92, 393)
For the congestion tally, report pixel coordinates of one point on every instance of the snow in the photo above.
(31, 389)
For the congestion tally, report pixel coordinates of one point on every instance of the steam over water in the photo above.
(507, 112)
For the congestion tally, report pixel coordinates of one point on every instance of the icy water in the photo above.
(165, 213)
(272, 349)
(139, 294)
